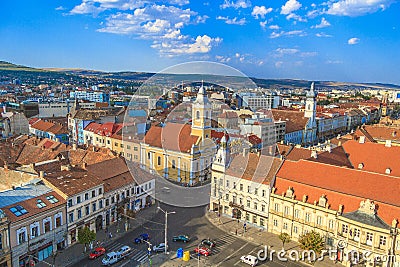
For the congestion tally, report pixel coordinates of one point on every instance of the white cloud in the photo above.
(324, 23)
(178, 2)
(162, 25)
(289, 34)
(334, 62)
(260, 11)
(263, 24)
(278, 64)
(87, 8)
(295, 17)
(308, 54)
(353, 41)
(223, 59)
(236, 5)
(286, 51)
(322, 34)
(234, 21)
(60, 8)
(355, 8)
(274, 27)
(290, 6)
(201, 19)
(157, 26)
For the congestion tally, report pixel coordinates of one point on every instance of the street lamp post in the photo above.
(166, 227)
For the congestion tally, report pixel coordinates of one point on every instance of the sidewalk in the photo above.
(75, 253)
(258, 236)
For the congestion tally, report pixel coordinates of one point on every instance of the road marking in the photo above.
(232, 254)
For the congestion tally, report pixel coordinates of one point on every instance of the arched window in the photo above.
(197, 115)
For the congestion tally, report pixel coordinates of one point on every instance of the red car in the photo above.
(97, 252)
(203, 251)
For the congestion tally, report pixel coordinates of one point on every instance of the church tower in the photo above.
(311, 103)
(222, 158)
(310, 112)
(201, 115)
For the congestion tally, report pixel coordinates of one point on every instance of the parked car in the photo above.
(123, 251)
(141, 238)
(208, 242)
(250, 260)
(183, 238)
(202, 251)
(159, 248)
(97, 252)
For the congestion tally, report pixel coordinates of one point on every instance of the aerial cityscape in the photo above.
(200, 133)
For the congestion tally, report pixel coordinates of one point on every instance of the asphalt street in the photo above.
(191, 222)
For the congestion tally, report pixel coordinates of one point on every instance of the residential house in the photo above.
(5, 251)
(37, 226)
(82, 191)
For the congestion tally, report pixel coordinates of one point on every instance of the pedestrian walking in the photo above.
(97, 243)
(110, 235)
(236, 231)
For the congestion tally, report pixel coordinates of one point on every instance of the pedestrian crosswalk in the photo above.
(222, 242)
(136, 255)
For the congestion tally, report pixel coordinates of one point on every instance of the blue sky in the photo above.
(341, 40)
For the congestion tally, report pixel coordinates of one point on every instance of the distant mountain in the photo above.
(13, 67)
(138, 77)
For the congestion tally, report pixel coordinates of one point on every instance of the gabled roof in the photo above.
(173, 136)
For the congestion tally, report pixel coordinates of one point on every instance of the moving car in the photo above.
(123, 251)
(208, 242)
(183, 238)
(250, 260)
(141, 238)
(159, 248)
(110, 258)
(203, 251)
(97, 252)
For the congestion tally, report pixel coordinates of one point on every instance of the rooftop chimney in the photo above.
(41, 174)
(388, 143)
(388, 171)
(74, 147)
(362, 139)
(84, 165)
(314, 154)
(360, 166)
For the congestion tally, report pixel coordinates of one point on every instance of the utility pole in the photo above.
(166, 227)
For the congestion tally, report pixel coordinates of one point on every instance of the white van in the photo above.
(110, 258)
(250, 260)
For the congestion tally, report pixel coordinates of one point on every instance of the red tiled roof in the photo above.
(173, 136)
(374, 157)
(295, 120)
(42, 125)
(341, 185)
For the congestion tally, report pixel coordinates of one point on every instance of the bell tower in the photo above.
(201, 115)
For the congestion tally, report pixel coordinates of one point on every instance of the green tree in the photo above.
(85, 236)
(312, 241)
(285, 238)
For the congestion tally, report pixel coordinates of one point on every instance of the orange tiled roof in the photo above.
(374, 157)
(342, 185)
(173, 136)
